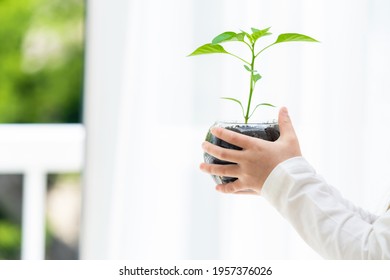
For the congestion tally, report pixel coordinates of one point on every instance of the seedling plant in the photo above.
(249, 40)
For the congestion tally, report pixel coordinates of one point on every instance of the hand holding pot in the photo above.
(255, 161)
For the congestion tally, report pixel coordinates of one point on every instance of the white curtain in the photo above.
(148, 107)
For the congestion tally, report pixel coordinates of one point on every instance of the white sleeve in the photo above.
(331, 225)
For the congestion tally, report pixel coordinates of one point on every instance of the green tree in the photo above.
(41, 61)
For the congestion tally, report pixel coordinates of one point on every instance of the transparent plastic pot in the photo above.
(267, 131)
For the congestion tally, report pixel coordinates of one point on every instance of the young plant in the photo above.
(248, 39)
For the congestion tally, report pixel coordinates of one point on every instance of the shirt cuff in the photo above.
(281, 177)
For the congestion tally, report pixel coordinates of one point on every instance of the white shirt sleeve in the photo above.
(331, 225)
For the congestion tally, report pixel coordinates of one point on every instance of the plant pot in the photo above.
(266, 131)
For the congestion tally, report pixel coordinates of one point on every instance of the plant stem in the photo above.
(251, 87)
(236, 56)
(264, 49)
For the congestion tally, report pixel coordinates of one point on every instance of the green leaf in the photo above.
(249, 36)
(249, 69)
(235, 100)
(260, 33)
(293, 37)
(240, 36)
(223, 37)
(208, 49)
(228, 36)
(258, 105)
(265, 104)
(256, 77)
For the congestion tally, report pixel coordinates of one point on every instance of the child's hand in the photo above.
(255, 161)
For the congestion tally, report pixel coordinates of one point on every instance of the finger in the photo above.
(285, 125)
(228, 170)
(251, 192)
(232, 137)
(230, 187)
(235, 188)
(221, 153)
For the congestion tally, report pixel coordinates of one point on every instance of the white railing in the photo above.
(34, 151)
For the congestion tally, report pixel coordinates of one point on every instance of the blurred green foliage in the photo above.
(10, 238)
(41, 61)
(11, 192)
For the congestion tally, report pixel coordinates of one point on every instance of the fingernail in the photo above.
(284, 110)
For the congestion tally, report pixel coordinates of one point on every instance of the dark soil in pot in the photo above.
(265, 131)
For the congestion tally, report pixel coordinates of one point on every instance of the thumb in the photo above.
(285, 126)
